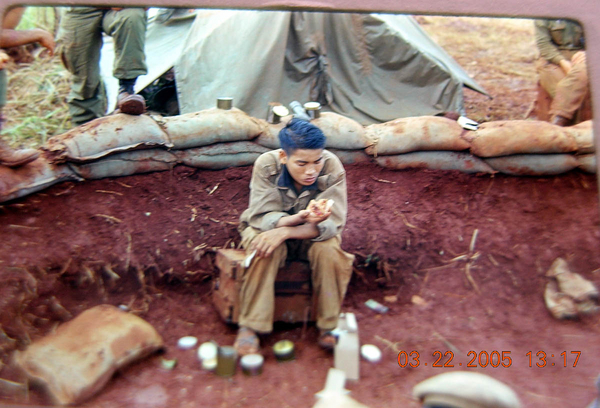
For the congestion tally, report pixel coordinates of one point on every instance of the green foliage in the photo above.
(39, 17)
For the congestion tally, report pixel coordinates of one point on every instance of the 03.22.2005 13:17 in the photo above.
(483, 359)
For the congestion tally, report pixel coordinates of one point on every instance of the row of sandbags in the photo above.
(42, 173)
(117, 133)
(121, 145)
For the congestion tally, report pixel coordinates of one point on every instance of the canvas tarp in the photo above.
(370, 67)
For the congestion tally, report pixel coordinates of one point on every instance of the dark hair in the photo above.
(300, 134)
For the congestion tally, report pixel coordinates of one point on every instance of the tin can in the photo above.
(225, 103)
(207, 354)
(313, 109)
(209, 364)
(208, 350)
(284, 350)
(226, 361)
(278, 112)
(252, 364)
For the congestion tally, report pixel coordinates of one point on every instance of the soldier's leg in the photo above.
(549, 75)
(571, 92)
(257, 292)
(79, 43)
(331, 271)
(127, 27)
(128, 30)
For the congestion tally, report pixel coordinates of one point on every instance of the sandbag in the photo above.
(465, 389)
(79, 358)
(503, 138)
(126, 164)
(342, 132)
(441, 160)
(270, 135)
(351, 156)
(416, 134)
(210, 126)
(216, 162)
(221, 155)
(225, 148)
(587, 163)
(35, 176)
(105, 136)
(583, 133)
(533, 164)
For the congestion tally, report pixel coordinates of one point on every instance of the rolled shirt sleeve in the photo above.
(266, 204)
(548, 50)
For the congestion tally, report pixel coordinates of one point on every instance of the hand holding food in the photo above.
(318, 210)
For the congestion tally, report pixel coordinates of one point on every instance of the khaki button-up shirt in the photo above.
(558, 39)
(270, 201)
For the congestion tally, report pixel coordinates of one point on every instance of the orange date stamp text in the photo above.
(495, 359)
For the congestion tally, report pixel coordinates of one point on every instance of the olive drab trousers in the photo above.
(79, 42)
(331, 271)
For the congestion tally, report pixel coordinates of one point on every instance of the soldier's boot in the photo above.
(572, 284)
(560, 305)
(128, 101)
(15, 158)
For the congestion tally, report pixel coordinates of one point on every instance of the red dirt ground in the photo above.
(415, 221)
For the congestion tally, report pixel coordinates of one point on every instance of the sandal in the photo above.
(327, 340)
(246, 342)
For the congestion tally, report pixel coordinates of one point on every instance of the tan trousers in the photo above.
(569, 92)
(331, 271)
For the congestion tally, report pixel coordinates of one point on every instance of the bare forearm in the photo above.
(15, 38)
(289, 221)
(303, 231)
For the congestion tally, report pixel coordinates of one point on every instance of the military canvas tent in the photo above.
(371, 67)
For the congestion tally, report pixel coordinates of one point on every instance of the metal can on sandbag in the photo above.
(224, 103)
(276, 112)
(313, 109)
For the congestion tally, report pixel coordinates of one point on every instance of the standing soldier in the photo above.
(80, 42)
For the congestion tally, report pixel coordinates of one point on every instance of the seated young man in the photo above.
(277, 225)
